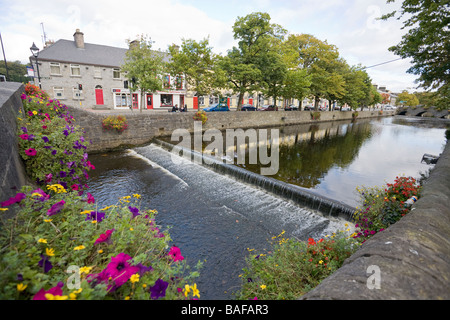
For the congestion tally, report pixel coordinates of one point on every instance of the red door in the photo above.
(196, 103)
(135, 101)
(99, 96)
(250, 101)
(149, 101)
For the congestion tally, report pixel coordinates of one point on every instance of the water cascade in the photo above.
(296, 194)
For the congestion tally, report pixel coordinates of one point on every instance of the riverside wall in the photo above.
(146, 125)
(12, 172)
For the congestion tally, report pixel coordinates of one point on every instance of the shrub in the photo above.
(200, 116)
(118, 123)
(293, 267)
(315, 115)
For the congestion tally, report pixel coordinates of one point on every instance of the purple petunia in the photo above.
(44, 263)
(134, 211)
(95, 215)
(159, 289)
(56, 208)
(45, 139)
(63, 174)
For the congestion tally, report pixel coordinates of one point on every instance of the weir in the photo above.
(296, 194)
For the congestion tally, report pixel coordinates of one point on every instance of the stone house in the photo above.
(89, 76)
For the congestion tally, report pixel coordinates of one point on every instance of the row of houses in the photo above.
(89, 76)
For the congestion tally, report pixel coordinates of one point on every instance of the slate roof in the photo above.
(93, 54)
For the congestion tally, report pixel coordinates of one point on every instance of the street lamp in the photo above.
(35, 51)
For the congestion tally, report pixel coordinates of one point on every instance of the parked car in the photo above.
(290, 108)
(268, 107)
(389, 108)
(248, 107)
(346, 109)
(217, 107)
(309, 108)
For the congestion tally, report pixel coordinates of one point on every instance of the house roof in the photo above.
(93, 54)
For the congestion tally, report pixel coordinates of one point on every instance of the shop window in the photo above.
(166, 100)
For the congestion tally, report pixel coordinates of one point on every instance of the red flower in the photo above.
(30, 152)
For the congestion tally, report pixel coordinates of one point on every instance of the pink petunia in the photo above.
(56, 208)
(105, 237)
(56, 291)
(30, 152)
(175, 254)
(24, 136)
(90, 198)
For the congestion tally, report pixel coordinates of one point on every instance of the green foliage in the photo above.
(200, 116)
(293, 267)
(427, 42)
(407, 99)
(16, 71)
(315, 115)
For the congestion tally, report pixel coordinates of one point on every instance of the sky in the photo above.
(351, 25)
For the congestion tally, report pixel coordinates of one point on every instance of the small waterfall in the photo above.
(296, 194)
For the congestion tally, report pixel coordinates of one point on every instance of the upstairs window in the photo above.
(116, 73)
(55, 68)
(97, 72)
(75, 70)
(179, 82)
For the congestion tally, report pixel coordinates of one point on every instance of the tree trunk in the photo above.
(316, 103)
(239, 106)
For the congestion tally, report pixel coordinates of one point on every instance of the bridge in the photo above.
(430, 112)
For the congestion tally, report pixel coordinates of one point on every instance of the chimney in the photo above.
(78, 37)
(134, 43)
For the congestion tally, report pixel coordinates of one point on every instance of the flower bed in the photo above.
(117, 123)
(60, 245)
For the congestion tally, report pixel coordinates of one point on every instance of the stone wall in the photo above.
(144, 126)
(12, 172)
(411, 257)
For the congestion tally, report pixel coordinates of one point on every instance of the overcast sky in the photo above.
(351, 25)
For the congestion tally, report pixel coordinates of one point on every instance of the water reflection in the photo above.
(334, 158)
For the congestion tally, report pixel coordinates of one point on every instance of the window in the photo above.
(97, 72)
(166, 82)
(201, 100)
(75, 70)
(77, 94)
(55, 68)
(213, 100)
(116, 73)
(166, 100)
(58, 92)
(179, 82)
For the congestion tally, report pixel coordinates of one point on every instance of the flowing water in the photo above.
(217, 219)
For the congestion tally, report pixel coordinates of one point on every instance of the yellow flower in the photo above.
(49, 296)
(100, 251)
(86, 211)
(21, 287)
(195, 291)
(72, 296)
(34, 112)
(127, 298)
(94, 221)
(48, 220)
(263, 286)
(35, 194)
(79, 248)
(134, 278)
(85, 269)
(42, 240)
(320, 262)
(49, 252)
(137, 196)
(131, 229)
(186, 290)
(4, 209)
(144, 286)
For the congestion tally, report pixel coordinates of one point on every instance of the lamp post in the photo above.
(35, 51)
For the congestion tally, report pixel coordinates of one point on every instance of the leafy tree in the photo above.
(321, 60)
(427, 42)
(296, 85)
(196, 62)
(243, 66)
(407, 99)
(16, 71)
(144, 67)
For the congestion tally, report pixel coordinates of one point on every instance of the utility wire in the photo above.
(382, 63)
